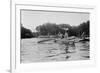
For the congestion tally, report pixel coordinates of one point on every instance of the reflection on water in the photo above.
(31, 51)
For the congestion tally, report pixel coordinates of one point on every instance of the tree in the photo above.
(53, 29)
(84, 27)
(26, 33)
(47, 28)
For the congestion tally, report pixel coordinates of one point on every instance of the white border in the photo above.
(15, 39)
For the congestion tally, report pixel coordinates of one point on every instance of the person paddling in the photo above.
(66, 35)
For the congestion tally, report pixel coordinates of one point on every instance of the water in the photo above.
(31, 51)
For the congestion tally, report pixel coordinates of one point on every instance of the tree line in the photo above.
(54, 29)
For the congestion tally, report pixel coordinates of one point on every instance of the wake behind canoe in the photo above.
(45, 40)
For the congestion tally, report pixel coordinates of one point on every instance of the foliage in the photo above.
(84, 27)
(53, 29)
(26, 33)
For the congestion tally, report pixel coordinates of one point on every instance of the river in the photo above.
(48, 51)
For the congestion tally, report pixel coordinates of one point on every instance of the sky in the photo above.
(31, 19)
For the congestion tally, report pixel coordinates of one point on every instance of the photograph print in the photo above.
(54, 36)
